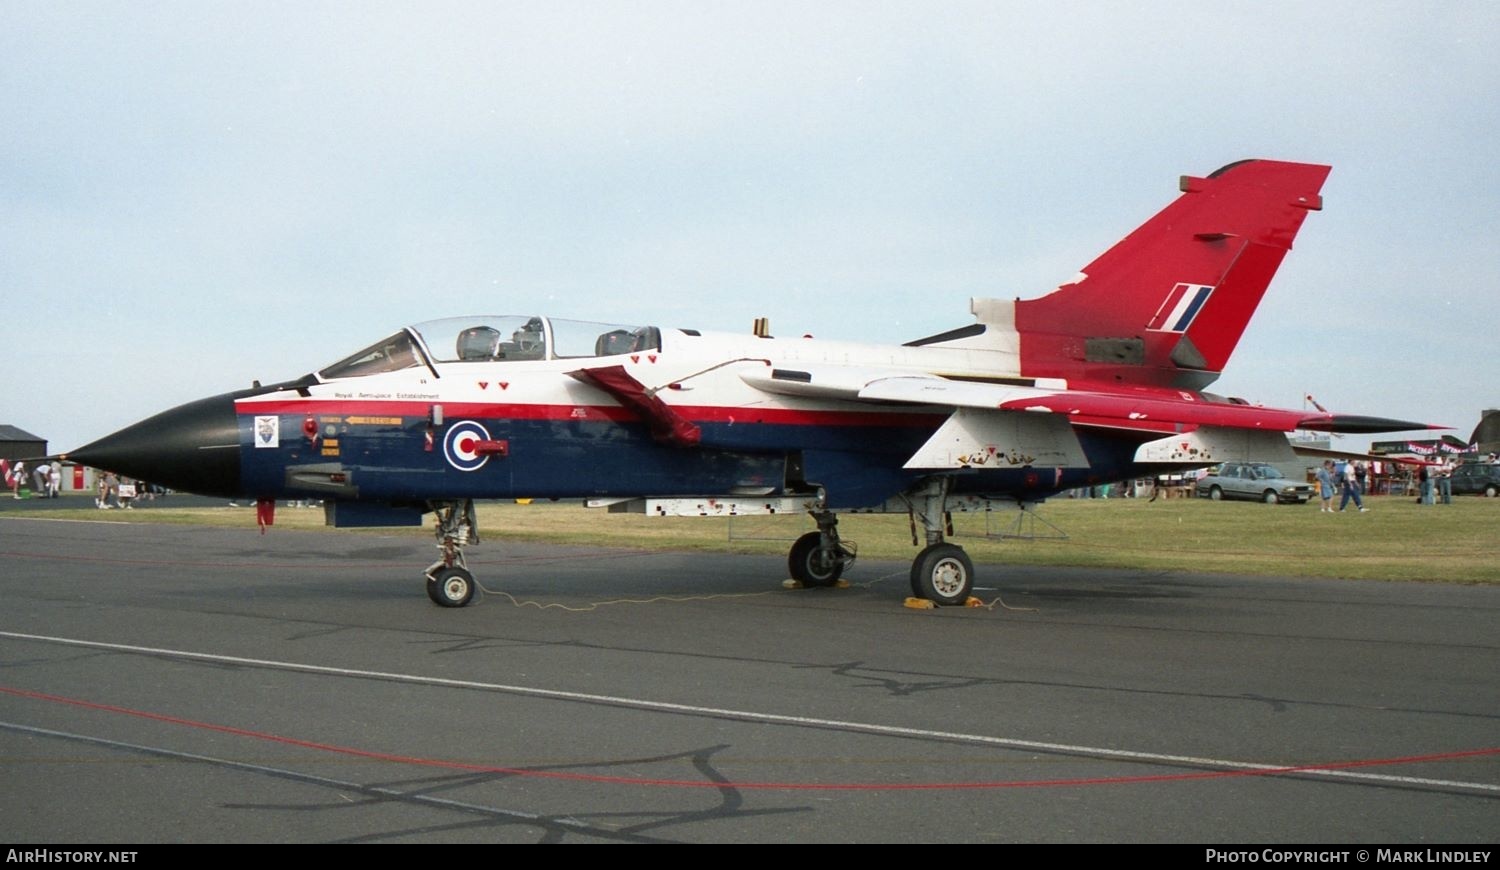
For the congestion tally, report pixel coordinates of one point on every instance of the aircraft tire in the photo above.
(451, 587)
(943, 574)
(807, 564)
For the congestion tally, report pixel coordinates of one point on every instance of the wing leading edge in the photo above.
(1031, 422)
(1140, 408)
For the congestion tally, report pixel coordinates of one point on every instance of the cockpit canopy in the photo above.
(492, 339)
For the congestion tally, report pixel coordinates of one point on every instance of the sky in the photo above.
(195, 195)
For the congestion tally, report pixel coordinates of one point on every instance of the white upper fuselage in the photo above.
(687, 369)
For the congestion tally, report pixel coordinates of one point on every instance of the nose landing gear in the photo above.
(819, 558)
(449, 582)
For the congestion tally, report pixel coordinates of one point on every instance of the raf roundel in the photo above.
(459, 444)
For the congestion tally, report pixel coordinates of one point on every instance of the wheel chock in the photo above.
(798, 584)
(924, 604)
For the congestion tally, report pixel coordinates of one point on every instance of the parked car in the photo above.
(1477, 477)
(1253, 480)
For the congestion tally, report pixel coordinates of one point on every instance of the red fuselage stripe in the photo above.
(521, 411)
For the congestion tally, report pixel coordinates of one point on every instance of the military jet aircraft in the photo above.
(1100, 380)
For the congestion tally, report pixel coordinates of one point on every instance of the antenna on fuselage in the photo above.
(761, 327)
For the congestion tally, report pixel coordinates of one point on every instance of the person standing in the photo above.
(1445, 482)
(1325, 486)
(109, 491)
(1351, 489)
(1424, 484)
(17, 477)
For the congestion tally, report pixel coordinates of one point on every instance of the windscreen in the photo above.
(390, 354)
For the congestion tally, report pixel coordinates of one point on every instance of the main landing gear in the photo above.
(819, 558)
(942, 572)
(449, 583)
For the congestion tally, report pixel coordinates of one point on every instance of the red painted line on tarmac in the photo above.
(757, 786)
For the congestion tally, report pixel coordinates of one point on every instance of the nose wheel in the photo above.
(451, 587)
(449, 582)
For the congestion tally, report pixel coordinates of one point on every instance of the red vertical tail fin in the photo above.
(1166, 305)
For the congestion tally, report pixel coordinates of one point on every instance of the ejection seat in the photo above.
(478, 343)
(618, 341)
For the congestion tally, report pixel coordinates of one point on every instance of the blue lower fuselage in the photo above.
(344, 453)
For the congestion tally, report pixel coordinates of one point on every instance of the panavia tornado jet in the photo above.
(1100, 380)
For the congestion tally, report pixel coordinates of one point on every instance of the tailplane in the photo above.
(1166, 305)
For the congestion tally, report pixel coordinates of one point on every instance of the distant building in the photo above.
(1310, 440)
(1486, 437)
(20, 444)
(1442, 447)
(1302, 467)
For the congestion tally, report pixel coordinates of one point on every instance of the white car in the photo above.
(1254, 480)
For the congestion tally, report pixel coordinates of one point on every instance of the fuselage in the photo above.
(493, 407)
(502, 407)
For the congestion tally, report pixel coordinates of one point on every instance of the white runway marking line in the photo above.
(315, 779)
(769, 718)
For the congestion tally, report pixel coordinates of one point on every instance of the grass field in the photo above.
(1396, 540)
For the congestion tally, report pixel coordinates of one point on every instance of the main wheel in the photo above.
(811, 565)
(451, 587)
(942, 573)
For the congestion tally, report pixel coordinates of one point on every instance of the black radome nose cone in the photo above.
(192, 448)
